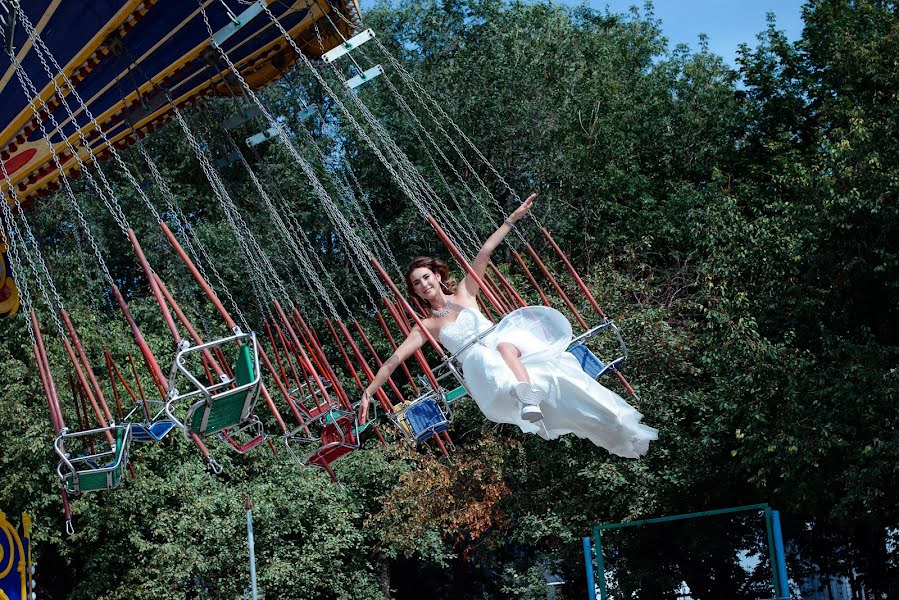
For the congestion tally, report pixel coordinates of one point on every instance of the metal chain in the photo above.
(188, 235)
(28, 239)
(30, 258)
(16, 262)
(282, 230)
(344, 242)
(253, 253)
(433, 208)
(336, 216)
(417, 87)
(346, 194)
(31, 92)
(420, 129)
(312, 276)
(378, 232)
(343, 109)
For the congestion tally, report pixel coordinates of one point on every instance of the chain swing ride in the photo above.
(213, 387)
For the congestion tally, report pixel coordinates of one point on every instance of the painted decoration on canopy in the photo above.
(9, 293)
(126, 59)
(15, 559)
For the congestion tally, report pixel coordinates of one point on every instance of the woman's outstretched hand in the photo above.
(363, 408)
(522, 210)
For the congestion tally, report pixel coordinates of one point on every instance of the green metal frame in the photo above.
(772, 525)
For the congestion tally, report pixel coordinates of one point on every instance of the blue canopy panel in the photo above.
(125, 57)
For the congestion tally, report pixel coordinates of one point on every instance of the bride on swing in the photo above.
(519, 373)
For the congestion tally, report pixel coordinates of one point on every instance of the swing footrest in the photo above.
(455, 394)
(366, 75)
(253, 426)
(221, 406)
(338, 435)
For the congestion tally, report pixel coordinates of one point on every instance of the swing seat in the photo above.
(591, 365)
(85, 473)
(338, 438)
(154, 432)
(420, 419)
(338, 435)
(229, 408)
(588, 361)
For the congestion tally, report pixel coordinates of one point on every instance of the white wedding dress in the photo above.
(575, 402)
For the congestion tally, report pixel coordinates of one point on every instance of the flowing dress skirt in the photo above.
(575, 403)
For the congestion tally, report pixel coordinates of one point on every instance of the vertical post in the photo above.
(600, 566)
(588, 565)
(784, 591)
(775, 580)
(249, 506)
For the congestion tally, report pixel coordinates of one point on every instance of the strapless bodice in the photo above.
(467, 325)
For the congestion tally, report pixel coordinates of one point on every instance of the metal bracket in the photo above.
(147, 108)
(350, 44)
(222, 35)
(232, 157)
(307, 113)
(365, 76)
(245, 115)
(264, 135)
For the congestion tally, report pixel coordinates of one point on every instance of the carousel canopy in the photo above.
(127, 59)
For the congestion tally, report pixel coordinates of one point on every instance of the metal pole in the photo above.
(784, 591)
(775, 580)
(600, 566)
(588, 565)
(249, 506)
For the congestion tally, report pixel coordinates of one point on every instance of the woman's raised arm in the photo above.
(480, 262)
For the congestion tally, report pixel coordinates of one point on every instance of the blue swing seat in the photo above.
(424, 419)
(155, 432)
(591, 365)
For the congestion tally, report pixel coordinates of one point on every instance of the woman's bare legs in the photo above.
(528, 397)
(512, 356)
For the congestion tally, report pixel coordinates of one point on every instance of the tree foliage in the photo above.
(739, 222)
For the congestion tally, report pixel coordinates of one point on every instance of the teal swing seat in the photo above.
(228, 408)
(223, 408)
(103, 470)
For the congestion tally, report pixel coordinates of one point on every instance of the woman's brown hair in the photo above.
(437, 266)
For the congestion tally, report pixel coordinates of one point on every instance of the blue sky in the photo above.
(726, 22)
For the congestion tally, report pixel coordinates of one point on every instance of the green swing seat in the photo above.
(85, 473)
(229, 408)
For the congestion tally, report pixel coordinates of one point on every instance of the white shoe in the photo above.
(531, 413)
(529, 398)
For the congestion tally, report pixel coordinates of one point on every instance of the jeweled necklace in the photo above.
(442, 312)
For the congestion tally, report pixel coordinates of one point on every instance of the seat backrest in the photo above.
(424, 415)
(244, 370)
(591, 365)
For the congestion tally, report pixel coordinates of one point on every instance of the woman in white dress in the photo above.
(520, 372)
